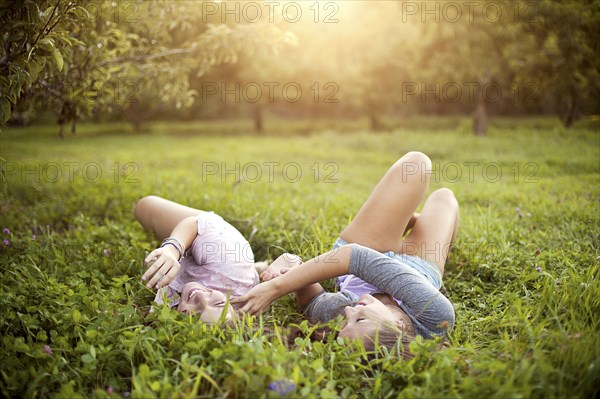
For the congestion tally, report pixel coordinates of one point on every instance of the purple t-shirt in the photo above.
(219, 258)
(357, 287)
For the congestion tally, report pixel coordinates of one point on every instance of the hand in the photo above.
(280, 266)
(258, 299)
(260, 267)
(163, 266)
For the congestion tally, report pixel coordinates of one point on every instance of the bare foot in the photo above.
(280, 266)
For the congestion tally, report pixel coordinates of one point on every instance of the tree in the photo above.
(477, 52)
(106, 53)
(31, 36)
(351, 58)
(567, 69)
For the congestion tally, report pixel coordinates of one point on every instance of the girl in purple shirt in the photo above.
(201, 261)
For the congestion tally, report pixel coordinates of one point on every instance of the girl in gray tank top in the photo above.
(389, 262)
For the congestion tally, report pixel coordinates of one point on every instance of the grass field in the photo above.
(523, 276)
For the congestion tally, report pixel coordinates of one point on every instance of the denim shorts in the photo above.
(428, 269)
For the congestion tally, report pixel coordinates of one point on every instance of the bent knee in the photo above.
(446, 195)
(414, 164)
(417, 158)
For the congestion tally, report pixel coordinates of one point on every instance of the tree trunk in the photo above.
(569, 120)
(569, 114)
(375, 122)
(480, 120)
(480, 116)
(258, 118)
(67, 113)
(134, 118)
(137, 125)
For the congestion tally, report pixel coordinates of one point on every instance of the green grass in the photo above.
(523, 276)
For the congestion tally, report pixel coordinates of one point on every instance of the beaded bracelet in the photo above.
(173, 244)
(176, 243)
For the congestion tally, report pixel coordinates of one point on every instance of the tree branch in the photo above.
(50, 89)
(45, 26)
(145, 57)
(59, 18)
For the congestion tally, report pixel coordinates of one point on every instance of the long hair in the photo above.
(392, 338)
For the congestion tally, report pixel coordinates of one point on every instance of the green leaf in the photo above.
(144, 370)
(58, 59)
(4, 110)
(76, 315)
(165, 314)
(91, 333)
(46, 45)
(87, 358)
(34, 69)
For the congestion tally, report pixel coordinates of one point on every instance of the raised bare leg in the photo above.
(160, 215)
(382, 220)
(435, 228)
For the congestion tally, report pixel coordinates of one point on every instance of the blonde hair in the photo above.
(392, 338)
